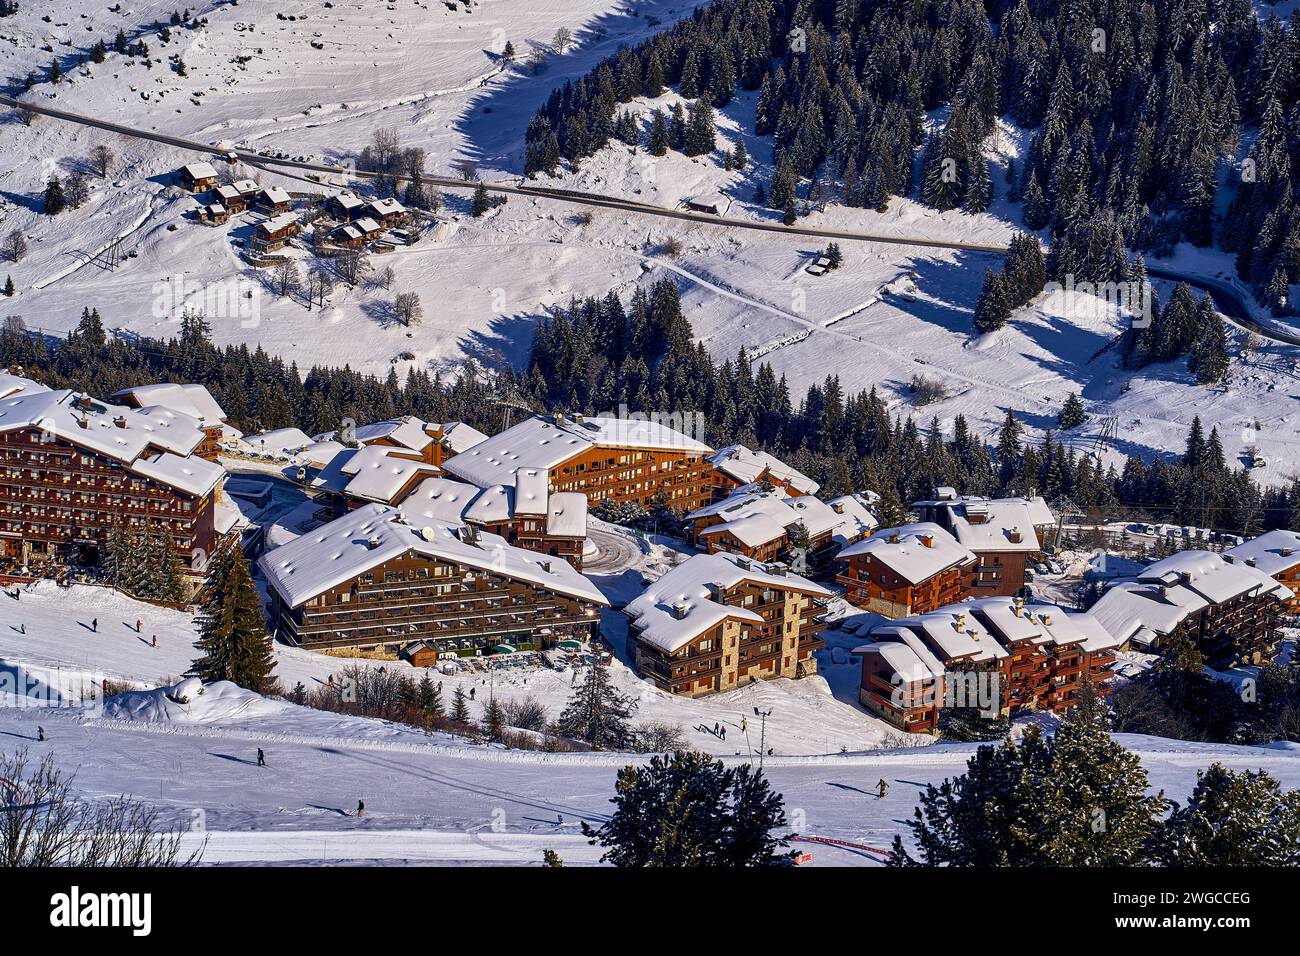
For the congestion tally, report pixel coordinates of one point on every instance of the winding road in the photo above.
(1229, 300)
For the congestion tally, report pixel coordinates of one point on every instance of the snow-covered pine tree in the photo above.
(597, 713)
(233, 640)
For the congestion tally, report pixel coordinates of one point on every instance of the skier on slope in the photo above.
(882, 788)
(40, 733)
(261, 758)
(361, 808)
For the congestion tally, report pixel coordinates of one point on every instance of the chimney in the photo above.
(1250, 562)
(372, 543)
(1018, 610)
(893, 539)
(927, 540)
(1047, 620)
(838, 507)
(1015, 536)
(83, 421)
(1286, 552)
(545, 566)
(679, 610)
(120, 421)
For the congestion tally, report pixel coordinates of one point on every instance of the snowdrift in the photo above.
(192, 702)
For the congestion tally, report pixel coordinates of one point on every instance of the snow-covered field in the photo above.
(319, 85)
(427, 802)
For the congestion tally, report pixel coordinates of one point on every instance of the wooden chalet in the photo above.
(73, 468)
(371, 581)
(198, 177)
(718, 621)
(606, 459)
(275, 233)
(911, 569)
(1277, 554)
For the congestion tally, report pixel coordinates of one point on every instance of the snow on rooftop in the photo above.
(374, 534)
(279, 441)
(544, 444)
(1273, 552)
(679, 607)
(201, 170)
(276, 223)
(11, 385)
(126, 435)
(407, 431)
(904, 550)
(567, 514)
(188, 398)
(532, 489)
(902, 659)
(746, 466)
(373, 472)
(459, 437)
(756, 517)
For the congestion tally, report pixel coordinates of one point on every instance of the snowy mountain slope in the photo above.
(889, 314)
(427, 804)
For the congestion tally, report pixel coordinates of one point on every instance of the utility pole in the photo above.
(762, 715)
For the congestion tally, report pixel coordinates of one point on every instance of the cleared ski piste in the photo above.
(431, 800)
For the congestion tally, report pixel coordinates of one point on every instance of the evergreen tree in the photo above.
(688, 810)
(658, 144)
(494, 719)
(1072, 414)
(55, 201)
(480, 203)
(9, 286)
(233, 640)
(993, 309)
(1231, 819)
(700, 138)
(459, 706)
(597, 713)
(1076, 798)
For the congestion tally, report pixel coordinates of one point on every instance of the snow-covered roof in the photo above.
(567, 514)
(374, 534)
(275, 195)
(386, 207)
(366, 224)
(531, 491)
(679, 607)
(756, 517)
(371, 472)
(902, 659)
(990, 524)
(192, 475)
(458, 437)
(201, 170)
(456, 502)
(905, 551)
(955, 634)
(319, 453)
(746, 466)
(229, 192)
(1273, 552)
(158, 446)
(246, 187)
(277, 223)
(407, 431)
(279, 441)
(544, 443)
(1166, 592)
(15, 385)
(189, 398)
(347, 232)
(349, 201)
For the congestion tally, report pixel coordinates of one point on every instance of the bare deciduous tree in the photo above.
(563, 40)
(319, 287)
(407, 308)
(102, 159)
(352, 265)
(15, 247)
(42, 823)
(288, 279)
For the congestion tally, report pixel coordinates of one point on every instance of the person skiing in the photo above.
(137, 625)
(471, 692)
(361, 808)
(155, 641)
(94, 625)
(723, 730)
(40, 733)
(882, 788)
(261, 758)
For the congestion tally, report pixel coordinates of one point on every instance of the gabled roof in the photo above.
(201, 170)
(407, 431)
(545, 443)
(158, 446)
(277, 223)
(679, 607)
(746, 466)
(361, 540)
(1273, 552)
(371, 472)
(189, 398)
(904, 551)
(455, 502)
